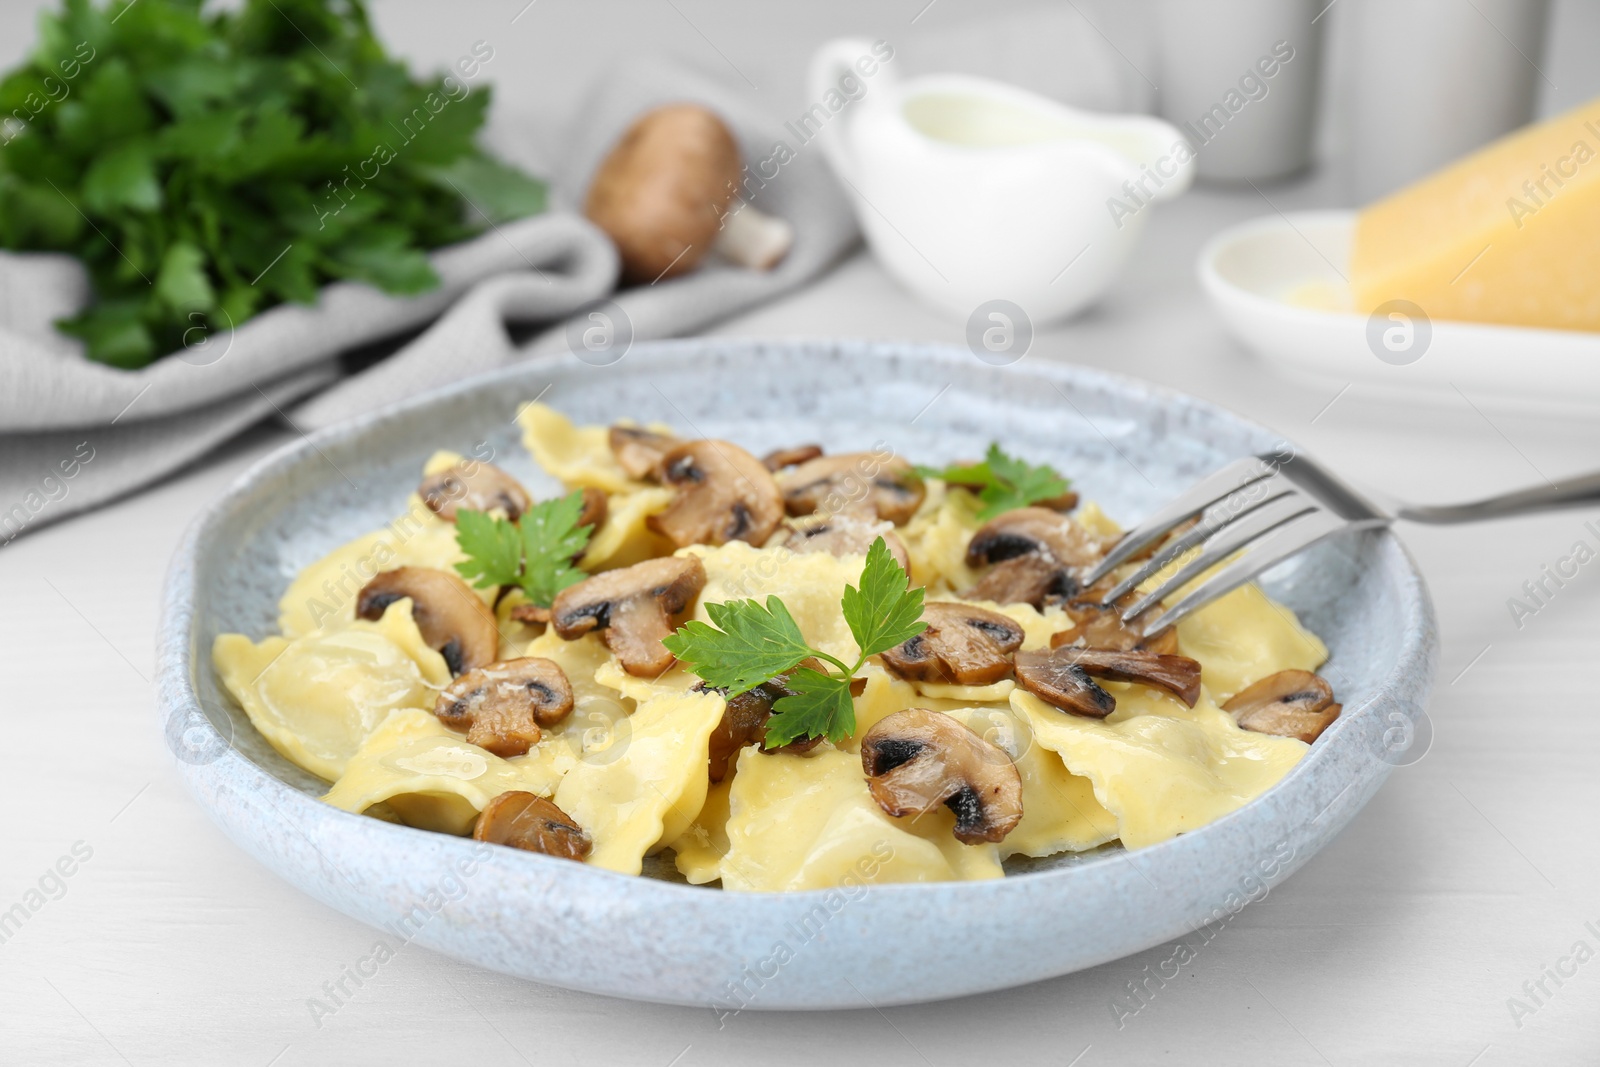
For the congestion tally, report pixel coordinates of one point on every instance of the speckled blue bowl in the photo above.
(1126, 444)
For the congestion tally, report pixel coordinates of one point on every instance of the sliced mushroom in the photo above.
(1057, 676)
(1290, 703)
(593, 512)
(639, 451)
(450, 617)
(530, 613)
(632, 607)
(724, 494)
(744, 722)
(852, 481)
(963, 645)
(1097, 626)
(1062, 684)
(533, 824)
(849, 534)
(475, 486)
(916, 759)
(780, 458)
(501, 706)
(1034, 552)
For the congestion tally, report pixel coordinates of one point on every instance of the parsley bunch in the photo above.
(535, 553)
(206, 167)
(1005, 482)
(752, 643)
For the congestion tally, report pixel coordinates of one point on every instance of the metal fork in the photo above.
(1268, 508)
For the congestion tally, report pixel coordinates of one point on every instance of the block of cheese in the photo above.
(1510, 234)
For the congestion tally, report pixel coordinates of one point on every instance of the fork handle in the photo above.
(1572, 493)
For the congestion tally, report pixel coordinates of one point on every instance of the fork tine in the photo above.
(1294, 536)
(1211, 524)
(1224, 543)
(1196, 499)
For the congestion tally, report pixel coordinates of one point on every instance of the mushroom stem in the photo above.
(752, 238)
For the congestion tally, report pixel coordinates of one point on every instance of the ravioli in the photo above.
(624, 539)
(576, 455)
(1161, 769)
(808, 822)
(936, 538)
(647, 786)
(698, 851)
(427, 773)
(1243, 637)
(316, 698)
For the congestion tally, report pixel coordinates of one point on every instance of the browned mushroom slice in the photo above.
(724, 494)
(639, 451)
(780, 458)
(1062, 684)
(533, 824)
(1290, 703)
(916, 759)
(632, 607)
(1178, 675)
(450, 617)
(963, 645)
(1034, 552)
(593, 512)
(849, 534)
(530, 613)
(887, 486)
(1095, 626)
(501, 706)
(475, 486)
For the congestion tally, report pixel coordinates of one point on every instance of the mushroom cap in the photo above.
(1055, 672)
(916, 759)
(662, 192)
(1063, 684)
(633, 609)
(1290, 703)
(963, 645)
(476, 486)
(530, 822)
(849, 481)
(1034, 551)
(502, 705)
(724, 494)
(1097, 626)
(450, 616)
(848, 534)
(638, 451)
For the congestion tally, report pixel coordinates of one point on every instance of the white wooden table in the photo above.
(1472, 872)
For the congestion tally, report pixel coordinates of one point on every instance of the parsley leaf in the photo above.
(1005, 482)
(551, 539)
(493, 547)
(535, 554)
(820, 705)
(748, 643)
(882, 613)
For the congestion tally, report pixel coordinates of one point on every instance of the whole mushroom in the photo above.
(668, 194)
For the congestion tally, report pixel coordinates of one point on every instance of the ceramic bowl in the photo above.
(1126, 444)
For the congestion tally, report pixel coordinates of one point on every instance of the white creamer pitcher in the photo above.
(970, 190)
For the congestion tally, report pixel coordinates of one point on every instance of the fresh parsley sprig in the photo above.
(1004, 481)
(748, 643)
(534, 554)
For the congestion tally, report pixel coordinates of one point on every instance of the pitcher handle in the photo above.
(850, 56)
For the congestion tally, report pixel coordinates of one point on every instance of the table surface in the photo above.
(1472, 872)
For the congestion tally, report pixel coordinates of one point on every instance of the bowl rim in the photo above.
(178, 656)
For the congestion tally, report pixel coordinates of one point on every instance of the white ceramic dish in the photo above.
(654, 938)
(1250, 269)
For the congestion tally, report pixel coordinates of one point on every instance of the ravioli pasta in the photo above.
(646, 762)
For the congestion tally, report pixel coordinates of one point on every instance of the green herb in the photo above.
(207, 166)
(1004, 482)
(535, 554)
(749, 643)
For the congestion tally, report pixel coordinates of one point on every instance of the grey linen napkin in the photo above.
(75, 435)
